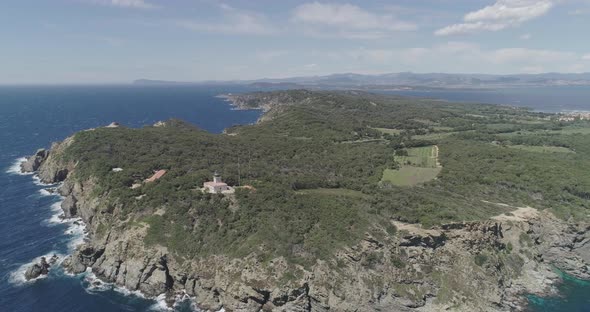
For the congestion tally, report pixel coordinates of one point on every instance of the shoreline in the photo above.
(105, 257)
(548, 286)
(77, 234)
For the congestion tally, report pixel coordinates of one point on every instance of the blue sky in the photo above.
(111, 41)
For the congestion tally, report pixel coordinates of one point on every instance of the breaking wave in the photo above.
(15, 167)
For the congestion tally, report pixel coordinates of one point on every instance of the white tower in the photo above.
(216, 178)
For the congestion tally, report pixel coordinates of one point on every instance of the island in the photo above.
(342, 201)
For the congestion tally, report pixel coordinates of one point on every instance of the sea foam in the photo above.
(17, 277)
(97, 285)
(56, 217)
(15, 167)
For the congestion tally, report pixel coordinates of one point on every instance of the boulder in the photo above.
(38, 269)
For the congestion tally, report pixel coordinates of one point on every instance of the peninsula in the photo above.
(342, 201)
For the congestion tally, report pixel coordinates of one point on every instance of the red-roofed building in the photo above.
(156, 176)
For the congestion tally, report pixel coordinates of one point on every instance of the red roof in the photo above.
(156, 176)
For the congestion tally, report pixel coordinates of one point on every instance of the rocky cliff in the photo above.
(469, 266)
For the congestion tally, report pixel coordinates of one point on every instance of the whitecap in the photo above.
(15, 167)
(47, 192)
(160, 304)
(38, 181)
(17, 277)
(97, 285)
(77, 230)
(57, 216)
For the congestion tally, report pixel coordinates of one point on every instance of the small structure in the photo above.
(156, 176)
(217, 186)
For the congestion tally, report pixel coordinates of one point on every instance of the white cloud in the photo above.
(347, 21)
(466, 57)
(525, 36)
(500, 15)
(233, 21)
(139, 4)
(586, 57)
(529, 56)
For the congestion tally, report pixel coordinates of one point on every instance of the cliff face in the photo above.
(474, 266)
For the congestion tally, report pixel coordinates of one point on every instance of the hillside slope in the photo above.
(317, 228)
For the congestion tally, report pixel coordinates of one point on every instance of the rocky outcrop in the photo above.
(84, 257)
(33, 162)
(468, 266)
(49, 165)
(41, 268)
(68, 205)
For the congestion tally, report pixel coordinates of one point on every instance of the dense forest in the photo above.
(315, 164)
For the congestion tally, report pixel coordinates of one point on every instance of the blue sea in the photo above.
(552, 99)
(32, 117)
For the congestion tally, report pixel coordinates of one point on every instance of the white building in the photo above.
(217, 186)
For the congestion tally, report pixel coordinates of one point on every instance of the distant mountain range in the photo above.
(403, 80)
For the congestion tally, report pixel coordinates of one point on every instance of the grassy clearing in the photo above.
(542, 149)
(409, 175)
(418, 167)
(424, 157)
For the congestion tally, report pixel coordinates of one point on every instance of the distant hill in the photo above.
(406, 79)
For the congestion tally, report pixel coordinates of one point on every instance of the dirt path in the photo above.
(435, 155)
(415, 229)
(519, 214)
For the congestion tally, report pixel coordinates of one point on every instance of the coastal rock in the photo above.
(41, 268)
(468, 266)
(54, 168)
(33, 162)
(69, 207)
(84, 256)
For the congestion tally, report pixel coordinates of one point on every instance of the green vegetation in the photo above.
(314, 194)
(409, 175)
(542, 149)
(389, 131)
(423, 157)
(481, 259)
(418, 165)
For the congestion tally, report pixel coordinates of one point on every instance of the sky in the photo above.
(118, 41)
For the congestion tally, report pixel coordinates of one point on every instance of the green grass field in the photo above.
(418, 167)
(410, 175)
(423, 157)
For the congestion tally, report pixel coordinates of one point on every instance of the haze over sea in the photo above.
(33, 117)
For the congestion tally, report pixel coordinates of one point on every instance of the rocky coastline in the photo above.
(469, 266)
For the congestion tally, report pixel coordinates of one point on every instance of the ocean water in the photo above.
(552, 99)
(574, 297)
(33, 117)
